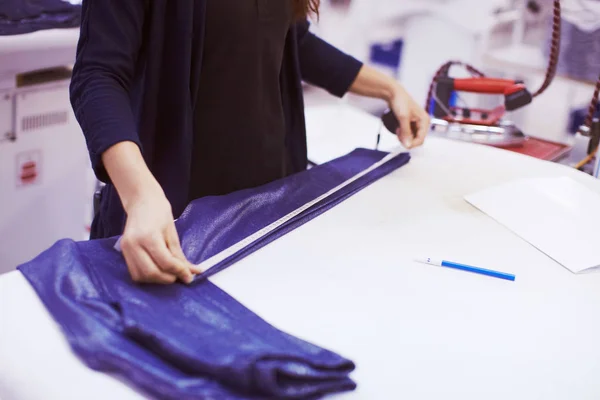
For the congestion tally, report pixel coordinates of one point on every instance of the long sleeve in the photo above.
(107, 52)
(323, 65)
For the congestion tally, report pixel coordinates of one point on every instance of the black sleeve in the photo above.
(323, 65)
(108, 48)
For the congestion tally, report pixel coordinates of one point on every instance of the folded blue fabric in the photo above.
(25, 16)
(195, 341)
(221, 222)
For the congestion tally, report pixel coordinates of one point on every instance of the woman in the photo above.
(183, 99)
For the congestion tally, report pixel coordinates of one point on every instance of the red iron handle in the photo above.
(484, 85)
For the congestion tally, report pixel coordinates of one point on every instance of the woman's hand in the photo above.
(150, 242)
(372, 83)
(409, 114)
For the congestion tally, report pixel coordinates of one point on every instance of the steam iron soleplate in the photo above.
(501, 134)
(504, 134)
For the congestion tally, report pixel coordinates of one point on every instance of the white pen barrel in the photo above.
(431, 261)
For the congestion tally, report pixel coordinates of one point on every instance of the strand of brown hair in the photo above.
(306, 8)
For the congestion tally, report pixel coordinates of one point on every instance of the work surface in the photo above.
(346, 281)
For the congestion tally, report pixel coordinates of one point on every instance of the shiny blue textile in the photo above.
(226, 220)
(197, 342)
(25, 16)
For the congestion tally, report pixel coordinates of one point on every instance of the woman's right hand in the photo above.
(150, 242)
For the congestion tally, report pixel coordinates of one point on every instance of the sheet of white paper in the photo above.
(558, 216)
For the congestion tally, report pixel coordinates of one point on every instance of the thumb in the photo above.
(175, 247)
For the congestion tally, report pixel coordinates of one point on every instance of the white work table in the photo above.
(346, 281)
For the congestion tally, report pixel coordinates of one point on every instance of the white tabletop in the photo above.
(346, 281)
(39, 40)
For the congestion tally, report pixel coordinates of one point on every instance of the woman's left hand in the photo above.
(372, 83)
(409, 114)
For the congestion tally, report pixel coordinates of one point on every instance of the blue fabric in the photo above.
(577, 117)
(254, 209)
(137, 76)
(26, 16)
(195, 341)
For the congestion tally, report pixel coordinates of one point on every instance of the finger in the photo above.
(422, 131)
(165, 260)
(174, 246)
(404, 132)
(144, 269)
(173, 243)
(131, 266)
(196, 269)
(178, 253)
(151, 273)
(128, 250)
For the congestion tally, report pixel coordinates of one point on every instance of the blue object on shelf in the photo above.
(451, 102)
(577, 118)
(387, 54)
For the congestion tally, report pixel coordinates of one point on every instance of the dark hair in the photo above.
(303, 8)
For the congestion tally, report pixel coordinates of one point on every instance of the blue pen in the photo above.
(468, 268)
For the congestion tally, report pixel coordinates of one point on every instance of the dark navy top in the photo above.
(138, 77)
(239, 126)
